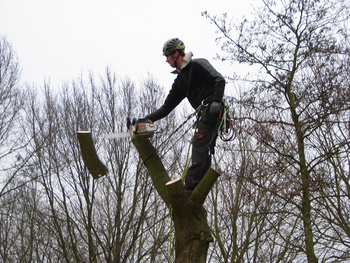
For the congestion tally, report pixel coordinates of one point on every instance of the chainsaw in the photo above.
(138, 128)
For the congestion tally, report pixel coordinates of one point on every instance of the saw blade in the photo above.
(117, 135)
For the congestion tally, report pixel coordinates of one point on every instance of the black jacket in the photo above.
(198, 81)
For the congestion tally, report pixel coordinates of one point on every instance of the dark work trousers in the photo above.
(202, 147)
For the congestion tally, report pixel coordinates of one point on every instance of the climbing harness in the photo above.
(223, 127)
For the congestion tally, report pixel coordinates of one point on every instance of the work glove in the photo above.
(214, 109)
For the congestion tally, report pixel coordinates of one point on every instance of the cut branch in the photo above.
(202, 190)
(89, 154)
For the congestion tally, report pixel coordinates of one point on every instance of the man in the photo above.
(201, 84)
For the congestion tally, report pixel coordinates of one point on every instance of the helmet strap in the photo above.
(175, 59)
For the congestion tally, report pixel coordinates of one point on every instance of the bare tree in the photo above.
(10, 107)
(12, 155)
(68, 214)
(299, 50)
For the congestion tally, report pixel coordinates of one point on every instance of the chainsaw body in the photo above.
(141, 129)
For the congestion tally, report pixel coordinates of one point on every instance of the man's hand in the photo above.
(215, 107)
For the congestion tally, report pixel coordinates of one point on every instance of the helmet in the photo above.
(171, 45)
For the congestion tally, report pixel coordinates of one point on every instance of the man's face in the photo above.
(171, 58)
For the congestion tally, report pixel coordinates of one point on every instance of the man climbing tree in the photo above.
(199, 82)
(204, 87)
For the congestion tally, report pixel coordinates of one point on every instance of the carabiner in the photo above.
(204, 103)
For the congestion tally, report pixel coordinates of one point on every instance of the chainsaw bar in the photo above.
(117, 135)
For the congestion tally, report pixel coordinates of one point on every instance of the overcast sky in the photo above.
(58, 40)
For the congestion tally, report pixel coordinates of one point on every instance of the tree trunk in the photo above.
(192, 232)
(306, 202)
(305, 176)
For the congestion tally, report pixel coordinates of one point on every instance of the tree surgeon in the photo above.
(199, 82)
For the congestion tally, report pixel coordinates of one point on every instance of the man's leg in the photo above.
(201, 158)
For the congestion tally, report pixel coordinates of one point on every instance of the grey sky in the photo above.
(57, 40)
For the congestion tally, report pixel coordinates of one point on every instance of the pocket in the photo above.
(211, 121)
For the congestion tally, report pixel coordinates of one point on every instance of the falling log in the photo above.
(89, 154)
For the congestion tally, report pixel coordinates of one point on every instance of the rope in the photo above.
(227, 132)
(187, 163)
(175, 131)
(223, 118)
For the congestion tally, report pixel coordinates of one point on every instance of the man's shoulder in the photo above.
(195, 64)
(200, 61)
